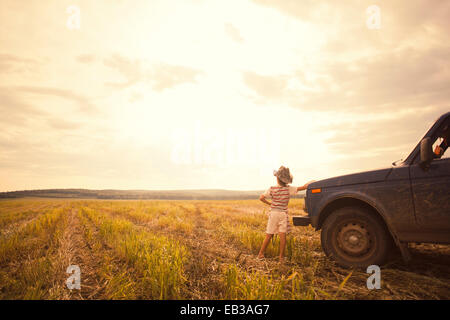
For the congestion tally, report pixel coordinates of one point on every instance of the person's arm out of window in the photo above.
(440, 149)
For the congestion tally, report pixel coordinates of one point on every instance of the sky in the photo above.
(209, 94)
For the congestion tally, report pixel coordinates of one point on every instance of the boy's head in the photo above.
(283, 175)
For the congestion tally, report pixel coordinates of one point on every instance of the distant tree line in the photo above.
(136, 195)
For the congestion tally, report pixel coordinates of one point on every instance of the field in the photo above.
(186, 250)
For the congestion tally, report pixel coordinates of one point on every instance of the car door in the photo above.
(431, 195)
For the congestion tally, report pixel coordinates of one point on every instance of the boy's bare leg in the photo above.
(282, 245)
(264, 245)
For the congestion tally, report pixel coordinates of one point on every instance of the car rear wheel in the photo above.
(355, 238)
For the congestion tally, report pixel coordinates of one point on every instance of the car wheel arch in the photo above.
(351, 201)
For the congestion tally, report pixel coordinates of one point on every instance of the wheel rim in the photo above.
(354, 240)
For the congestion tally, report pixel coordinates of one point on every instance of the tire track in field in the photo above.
(208, 254)
(29, 271)
(75, 250)
(199, 269)
(18, 225)
(114, 277)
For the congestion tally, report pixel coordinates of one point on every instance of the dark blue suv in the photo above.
(362, 215)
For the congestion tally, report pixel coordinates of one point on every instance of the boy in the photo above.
(278, 214)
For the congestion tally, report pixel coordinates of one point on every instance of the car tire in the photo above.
(353, 237)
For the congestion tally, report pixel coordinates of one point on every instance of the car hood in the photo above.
(355, 178)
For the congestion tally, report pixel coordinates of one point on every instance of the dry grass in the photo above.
(186, 249)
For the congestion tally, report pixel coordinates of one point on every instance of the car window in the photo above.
(442, 139)
(438, 143)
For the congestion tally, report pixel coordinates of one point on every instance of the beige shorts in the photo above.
(278, 222)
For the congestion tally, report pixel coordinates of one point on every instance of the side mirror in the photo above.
(426, 153)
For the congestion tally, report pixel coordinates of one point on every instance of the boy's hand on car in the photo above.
(308, 183)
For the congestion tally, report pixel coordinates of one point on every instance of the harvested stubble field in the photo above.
(186, 250)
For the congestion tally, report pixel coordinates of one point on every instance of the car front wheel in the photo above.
(355, 238)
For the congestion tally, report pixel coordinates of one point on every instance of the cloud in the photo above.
(405, 16)
(51, 160)
(10, 63)
(393, 137)
(364, 97)
(267, 87)
(83, 102)
(165, 76)
(305, 10)
(404, 79)
(234, 33)
(61, 124)
(14, 110)
(131, 70)
(160, 76)
(408, 78)
(85, 58)
(135, 96)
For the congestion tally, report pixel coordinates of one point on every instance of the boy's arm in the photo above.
(305, 186)
(263, 199)
(265, 195)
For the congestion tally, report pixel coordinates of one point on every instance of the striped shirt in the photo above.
(280, 196)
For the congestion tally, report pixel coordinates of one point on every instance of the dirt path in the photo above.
(75, 250)
(208, 254)
(21, 223)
